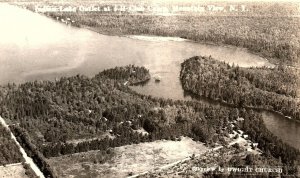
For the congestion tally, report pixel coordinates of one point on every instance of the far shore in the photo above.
(158, 38)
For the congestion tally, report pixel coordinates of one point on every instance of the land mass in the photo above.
(262, 88)
(280, 43)
(74, 116)
(46, 116)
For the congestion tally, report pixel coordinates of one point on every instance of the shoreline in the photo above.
(198, 97)
(271, 61)
(122, 33)
(140, 37)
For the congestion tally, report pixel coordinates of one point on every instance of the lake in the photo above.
(34, 47)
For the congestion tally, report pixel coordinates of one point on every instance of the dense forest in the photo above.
(104, 113)
(271, 89)
(131, 74)
(32, 152)
(286, 156)
(55, 113)
(78, 114)
(9, 151)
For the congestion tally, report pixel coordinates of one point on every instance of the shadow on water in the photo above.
(142, 83)
(195, 97)
(286, 129)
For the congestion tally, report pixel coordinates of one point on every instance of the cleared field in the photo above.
(130, 159)
(12, 171)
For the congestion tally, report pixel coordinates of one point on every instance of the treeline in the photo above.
(28, 171)
(288, 157)
(32, 151)
(268, 29)
(123, 135)
(51, 114)
(242, 87)
(281, 79)
(201, 122)
(60, 109)
(251, 8)
(130, 73)
(9, 151)
(272, 37)
(55, 113)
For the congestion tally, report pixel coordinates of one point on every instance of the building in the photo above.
(240, 119)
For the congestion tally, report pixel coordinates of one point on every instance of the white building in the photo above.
(240, 119)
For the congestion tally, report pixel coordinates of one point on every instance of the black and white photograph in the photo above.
(149, 88)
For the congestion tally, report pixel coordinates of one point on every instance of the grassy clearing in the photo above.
(128, 159)
(13, 171)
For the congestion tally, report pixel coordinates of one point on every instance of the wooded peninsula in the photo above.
(46, 115)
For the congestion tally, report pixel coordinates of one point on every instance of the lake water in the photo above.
(34, 47)
(287, 130)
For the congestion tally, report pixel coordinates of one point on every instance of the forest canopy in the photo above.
(79, 114)
(258, 88)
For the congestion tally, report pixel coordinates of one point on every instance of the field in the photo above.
(129, 159)
(13, 171)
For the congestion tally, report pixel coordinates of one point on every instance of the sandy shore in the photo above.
(155, 38)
